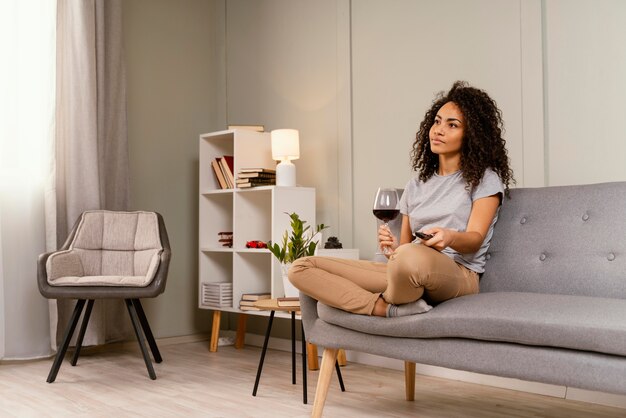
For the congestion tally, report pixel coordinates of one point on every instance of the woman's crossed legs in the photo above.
(356, 285)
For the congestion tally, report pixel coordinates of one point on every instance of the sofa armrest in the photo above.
(63, 264)
(308, 309)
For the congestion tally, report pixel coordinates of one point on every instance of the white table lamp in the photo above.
(285, 147)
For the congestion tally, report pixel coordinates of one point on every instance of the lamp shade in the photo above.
(285, 144)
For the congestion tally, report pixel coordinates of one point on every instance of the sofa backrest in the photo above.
(560, 240)
(113, 243)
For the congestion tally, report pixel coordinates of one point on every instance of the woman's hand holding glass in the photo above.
(386, 208)
(387, 240)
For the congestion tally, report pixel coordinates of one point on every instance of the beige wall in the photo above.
(288, 67)
(282, 72)
(585, 67)
(172, 58)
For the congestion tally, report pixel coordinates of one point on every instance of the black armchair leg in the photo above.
(147, 331)
(138, 332)
(69, 331)
(81, 333)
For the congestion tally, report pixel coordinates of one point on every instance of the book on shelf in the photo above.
(288, 301)
(258, 180)
(225, 239)
(257, 175)
(249, 308)
(253, 179)
(249, 184)
(256, 296)
(227, 164)
(255, 128)
(257, 170)
(219, 175)
(247, 302)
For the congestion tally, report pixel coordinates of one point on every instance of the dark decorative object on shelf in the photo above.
(333, 242)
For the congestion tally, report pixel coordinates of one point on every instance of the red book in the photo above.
(227, 164)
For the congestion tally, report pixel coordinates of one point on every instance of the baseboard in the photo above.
(601, 398)
(131, 345)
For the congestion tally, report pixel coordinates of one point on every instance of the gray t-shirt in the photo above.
(444, 201)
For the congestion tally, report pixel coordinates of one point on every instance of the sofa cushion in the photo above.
(574, 322)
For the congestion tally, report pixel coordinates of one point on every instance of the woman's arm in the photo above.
(406, 235)
(481, 216)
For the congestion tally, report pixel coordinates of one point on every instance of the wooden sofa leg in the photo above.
(409, 380)
(341, 357)
(215, 331)
(326, 371)
(241, 331)
(311, 352)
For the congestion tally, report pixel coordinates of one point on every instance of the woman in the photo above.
(462, 173)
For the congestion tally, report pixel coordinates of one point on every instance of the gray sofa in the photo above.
(551, 307)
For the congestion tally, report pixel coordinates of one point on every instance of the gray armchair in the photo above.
(108, 255)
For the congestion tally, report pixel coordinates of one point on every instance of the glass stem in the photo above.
(386, 249)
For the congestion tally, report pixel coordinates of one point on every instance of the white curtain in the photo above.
(27, 88)
(91, 140)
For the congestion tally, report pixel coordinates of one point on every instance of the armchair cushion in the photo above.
(109, 249)
(135, 281)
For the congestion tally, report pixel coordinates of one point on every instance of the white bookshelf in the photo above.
(256, 213)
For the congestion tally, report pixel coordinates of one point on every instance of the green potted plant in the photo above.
(300, 242)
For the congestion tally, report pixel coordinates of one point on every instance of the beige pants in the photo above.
(355, 285)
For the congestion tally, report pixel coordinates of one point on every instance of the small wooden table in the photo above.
(272, 306)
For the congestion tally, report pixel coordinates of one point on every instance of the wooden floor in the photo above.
(193, 382)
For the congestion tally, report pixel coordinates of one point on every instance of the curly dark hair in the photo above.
(482, 147)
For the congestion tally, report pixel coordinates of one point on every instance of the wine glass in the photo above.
(386, 208)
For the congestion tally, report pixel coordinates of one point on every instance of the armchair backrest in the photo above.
(118, 243)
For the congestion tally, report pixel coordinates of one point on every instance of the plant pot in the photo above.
(290, 290)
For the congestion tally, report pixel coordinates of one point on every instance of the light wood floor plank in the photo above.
(193, 382)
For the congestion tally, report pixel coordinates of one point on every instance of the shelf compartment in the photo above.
(253, 274)
(215, 267)
(252, 215)
(212, 147)
(216, 212)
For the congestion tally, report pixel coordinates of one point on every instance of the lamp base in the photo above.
(286, 174)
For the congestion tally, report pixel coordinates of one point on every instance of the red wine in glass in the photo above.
(386, 215)
(386, 208)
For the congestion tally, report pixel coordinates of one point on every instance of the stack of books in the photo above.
(252, 177)
(223, 168)
(226, 239)
(288, 302)
(217, 295)
(249, 299)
